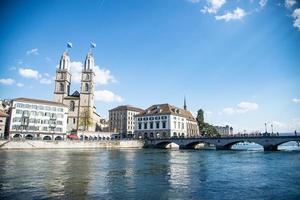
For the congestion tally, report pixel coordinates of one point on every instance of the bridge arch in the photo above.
(229, 145)
(163, 144)
(192, 145)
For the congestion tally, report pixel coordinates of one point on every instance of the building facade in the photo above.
(121, 119)
(165, 120)
(41, 119)
(224, 130)
(3, 117)
(81, 104)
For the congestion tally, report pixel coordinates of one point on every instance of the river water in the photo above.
(150, 174)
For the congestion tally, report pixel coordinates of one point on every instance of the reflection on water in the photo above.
(151, 174)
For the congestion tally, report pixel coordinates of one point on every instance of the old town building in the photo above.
(35, 118)
(165, 120)
(121, 119)
(81, 104)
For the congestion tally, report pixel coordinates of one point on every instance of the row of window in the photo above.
(35, 113)
(36, 128)
(152, 118)
(37, 121)
(151, 125)
(38, 107)
(178, 123)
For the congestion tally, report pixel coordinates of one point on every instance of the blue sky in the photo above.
(238, 60)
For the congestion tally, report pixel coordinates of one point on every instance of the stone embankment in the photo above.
(69, 144)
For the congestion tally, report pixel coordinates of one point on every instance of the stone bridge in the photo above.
(269, 143)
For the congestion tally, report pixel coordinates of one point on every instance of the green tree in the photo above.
(205, 128)
(200, 120)
(85, 119)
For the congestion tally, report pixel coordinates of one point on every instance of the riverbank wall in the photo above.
(69, 144)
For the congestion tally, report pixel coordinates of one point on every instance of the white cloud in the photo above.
(262, 3)
(277, 124)
(7, 81)
(29, 73)
(296, 16)
(295, 100)
(241, 108)
(20, 84)
(238, 13)
(289, 3)
(102, 76)
(45, 81)
(107, 96)
(213, 6)
(34, 51)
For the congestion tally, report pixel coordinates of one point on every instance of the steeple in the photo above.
(89, 62)
(184, 104)
(64, 63)
(62, 78)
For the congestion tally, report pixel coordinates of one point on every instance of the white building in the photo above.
(224, 130)
(34, 118)
(3, 117)
(164, 120)
(121, 119)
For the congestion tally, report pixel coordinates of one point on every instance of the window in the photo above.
(61, 76)
(175, 125)
(61, 87)
(86, 87)
(87, 77)
(164, 124)
(72, 106)
(74, 120)
(151, 125)
(140, 125)
(182, 125)
(145, 125)
(157, 125)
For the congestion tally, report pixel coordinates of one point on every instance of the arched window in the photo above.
(72, 106)
(86, 87)
(61, 87)
(87, 77)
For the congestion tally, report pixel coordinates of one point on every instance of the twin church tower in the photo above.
(81, 104)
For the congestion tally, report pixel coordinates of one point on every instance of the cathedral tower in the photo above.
(87, 83)
(62, 78)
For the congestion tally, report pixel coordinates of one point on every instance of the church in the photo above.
(82, 111)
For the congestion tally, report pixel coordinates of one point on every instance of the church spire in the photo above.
(184, 104)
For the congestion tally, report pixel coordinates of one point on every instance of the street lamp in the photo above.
(272, 128)
(266, 128)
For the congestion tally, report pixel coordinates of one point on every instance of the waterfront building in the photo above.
(165, 120)
(35, 118)
(224, 130)
(121, 119)
(3, 117)
(81, 104)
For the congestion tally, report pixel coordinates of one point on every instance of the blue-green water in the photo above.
(150, 174)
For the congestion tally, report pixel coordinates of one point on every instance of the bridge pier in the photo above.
(271, 148)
